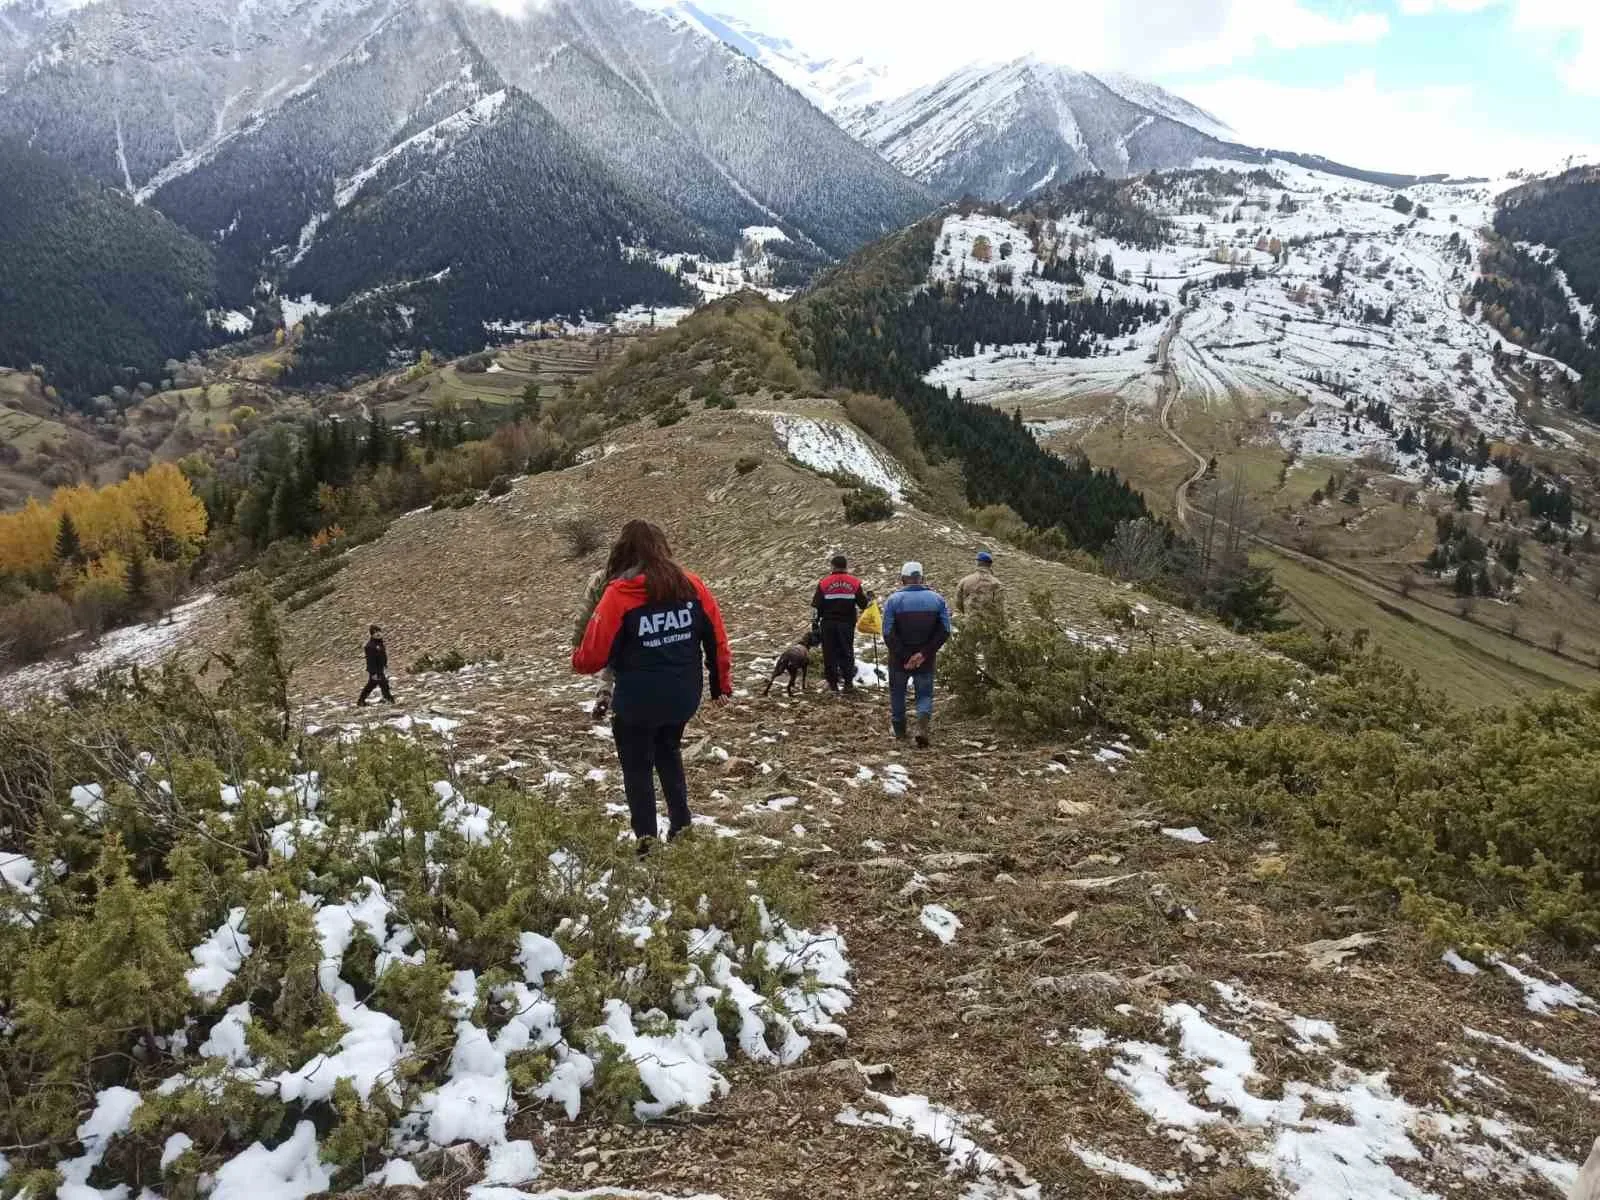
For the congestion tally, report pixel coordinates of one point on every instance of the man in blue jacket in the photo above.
(916, 622)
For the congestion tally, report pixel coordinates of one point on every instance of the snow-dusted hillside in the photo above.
(832, 84)
(1312, 295)
(1004, 132)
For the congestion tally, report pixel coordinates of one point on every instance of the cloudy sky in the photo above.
(1411, 85)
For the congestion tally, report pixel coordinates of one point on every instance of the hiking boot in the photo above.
(682, 833)
(899, 730)
(924, 731)
(645, 846)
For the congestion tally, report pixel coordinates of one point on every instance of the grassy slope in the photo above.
(1471, 664)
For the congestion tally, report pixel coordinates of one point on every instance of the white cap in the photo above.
(911, 570)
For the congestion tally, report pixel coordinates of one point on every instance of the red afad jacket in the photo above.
(656, 651)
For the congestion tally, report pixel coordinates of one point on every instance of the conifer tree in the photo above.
(69, 547)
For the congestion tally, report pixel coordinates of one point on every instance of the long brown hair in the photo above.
(642, 549)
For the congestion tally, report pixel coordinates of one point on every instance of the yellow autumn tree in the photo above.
(28, 540)
(155, 513)
(172, 519)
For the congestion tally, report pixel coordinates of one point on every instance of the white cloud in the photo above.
(1574, 22)
(923, 40)
(1423, 8)
(1255, 26)
(1412, 130)
(1570, 27)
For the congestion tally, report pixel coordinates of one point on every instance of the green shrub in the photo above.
(307, 598)
(315, 571)
(1119, 612)
(500, 485)
(94, 963)
(456, 500)
(747, 464)
(449, 662)
(867, 504)
(1482, 826)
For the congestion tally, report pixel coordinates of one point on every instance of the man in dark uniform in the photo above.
(377, 667)
(839, 600)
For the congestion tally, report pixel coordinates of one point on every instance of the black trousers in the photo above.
(839, 653)
(646, 751)
(378, 682)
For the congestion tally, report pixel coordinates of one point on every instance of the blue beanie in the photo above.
(985, 557)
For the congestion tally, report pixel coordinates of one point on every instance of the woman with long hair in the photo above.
(654, 625)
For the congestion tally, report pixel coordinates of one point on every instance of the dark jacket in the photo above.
(656, 651)
(916, 620)
(839, 597)
(377, 657)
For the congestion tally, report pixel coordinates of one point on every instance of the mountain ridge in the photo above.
(1003, 132)
(269, 127)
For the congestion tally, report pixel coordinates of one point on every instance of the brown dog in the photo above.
(797, 661)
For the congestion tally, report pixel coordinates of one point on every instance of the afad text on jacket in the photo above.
(656, 651)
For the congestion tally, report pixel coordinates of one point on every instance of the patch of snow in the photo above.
(952, 1134)
(1562, 1072)
(676, 1068)
(1350, 1129)
(1545, 996)
(112, 1116)
(233, 321)
(296, 311)
(1104, 1164)
(141, 645)
(1460, 965)
(227, 1040)
(218, 958)
(511, 1162)
(293, 1171)
(175, 1147)
(1191, 835)
(940, 922)
(396, 1173)
(89, 799)
(433, 140)
(831, 446)
(373, 1042)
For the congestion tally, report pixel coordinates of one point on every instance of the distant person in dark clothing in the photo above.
(839, 600)
(653, 627)
(377, 667)
(916, 622)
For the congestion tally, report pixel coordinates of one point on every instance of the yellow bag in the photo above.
(871, 621)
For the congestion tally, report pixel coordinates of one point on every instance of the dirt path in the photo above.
(1171, 388)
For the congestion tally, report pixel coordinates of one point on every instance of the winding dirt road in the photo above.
(1171, 387)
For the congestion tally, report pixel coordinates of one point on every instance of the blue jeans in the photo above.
(921, 681)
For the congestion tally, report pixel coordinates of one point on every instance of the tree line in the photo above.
(957, 318)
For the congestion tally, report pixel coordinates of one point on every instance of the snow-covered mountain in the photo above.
(351, 147)
(832, 84)
(1158, 100)
(1004, 132)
